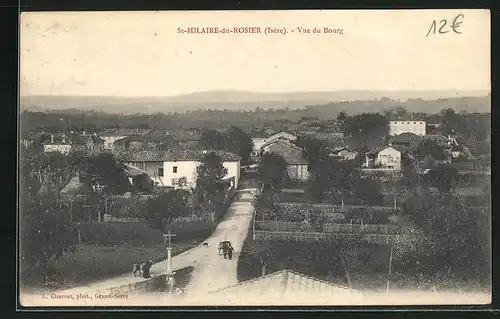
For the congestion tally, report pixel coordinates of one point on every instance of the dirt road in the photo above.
(211, 270)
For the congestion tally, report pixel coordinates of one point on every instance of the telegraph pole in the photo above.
(170, 274)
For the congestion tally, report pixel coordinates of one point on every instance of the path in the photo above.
(212, 271)
(207, 262)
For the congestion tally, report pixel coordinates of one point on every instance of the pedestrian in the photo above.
(230, 250)
(146, 268)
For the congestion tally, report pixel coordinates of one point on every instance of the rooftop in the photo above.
(64, 139)
(179, 155)
(284, 286)
(125, 132)
(131, 171)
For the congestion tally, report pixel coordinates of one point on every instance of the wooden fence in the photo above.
(327, 227)
(316, 236)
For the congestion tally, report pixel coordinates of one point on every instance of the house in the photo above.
(446, 142)
(75, 189)
(344, 154)
(34, 140)
(142, 142)
(66, 143)
(139, 179)
(93, 143)
(187, 138)
(404, 139)
(63, 143)
(285, 287)
(297, 165)
(260, 141)
(388, 157)
(112, 135)
(400, 127)
(177, 167)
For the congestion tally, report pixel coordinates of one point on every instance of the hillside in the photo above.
(472, 101)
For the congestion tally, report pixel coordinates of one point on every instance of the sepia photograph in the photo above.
(254, 158)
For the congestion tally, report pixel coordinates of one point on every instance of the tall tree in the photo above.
(104, 174)
(369, 190)
(315, 151)
(209, 182)
(46, 232)
(272, 172)
(212, 139)
(210, 174)
(454, 237)
(239, 142)
(442, 177)
(162, 209)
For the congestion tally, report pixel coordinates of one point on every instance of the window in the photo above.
(160, 171)
(175, 169)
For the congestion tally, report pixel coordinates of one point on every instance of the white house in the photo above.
(400, 127)
(388, 157)
(63, 144)
(177, 168)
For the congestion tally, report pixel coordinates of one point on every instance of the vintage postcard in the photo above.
(255, 158)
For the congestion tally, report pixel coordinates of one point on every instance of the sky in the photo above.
(134, 54)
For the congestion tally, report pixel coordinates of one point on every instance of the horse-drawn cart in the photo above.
(225, 248)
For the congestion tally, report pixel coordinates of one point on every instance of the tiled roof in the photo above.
(290, 152)
(178, 155)
(182, 135)
(125, 132)
(143, 156)
(63, 139)
(134, 171)
(95, 139)
(37, 136)
(285, 284)
(192, 154)
(396, 147)
(146, 138)
(75, 187)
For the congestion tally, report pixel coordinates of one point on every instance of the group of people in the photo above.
(142, 268)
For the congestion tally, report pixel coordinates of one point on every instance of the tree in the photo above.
(162, 210)
(442, 177)
(333, 177)
(211, 139)
(347, 251)
(429, 147)
(342, 116)
(450, 237)
(210, 174)
(370, 190)
(315, 151)
(240, 143)
(272, 172)
(104, 175)
(46, 232)
(209, 181)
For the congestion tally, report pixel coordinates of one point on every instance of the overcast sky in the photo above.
(141, 54)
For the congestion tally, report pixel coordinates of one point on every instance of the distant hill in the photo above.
(479, 101)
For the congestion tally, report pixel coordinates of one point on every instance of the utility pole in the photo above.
(389, 273)
(170, 274)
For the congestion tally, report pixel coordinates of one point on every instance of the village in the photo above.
(315, 198)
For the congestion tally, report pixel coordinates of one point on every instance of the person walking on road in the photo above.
(230, 250)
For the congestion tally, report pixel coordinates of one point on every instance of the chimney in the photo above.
(63, 138)
(52, 138)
